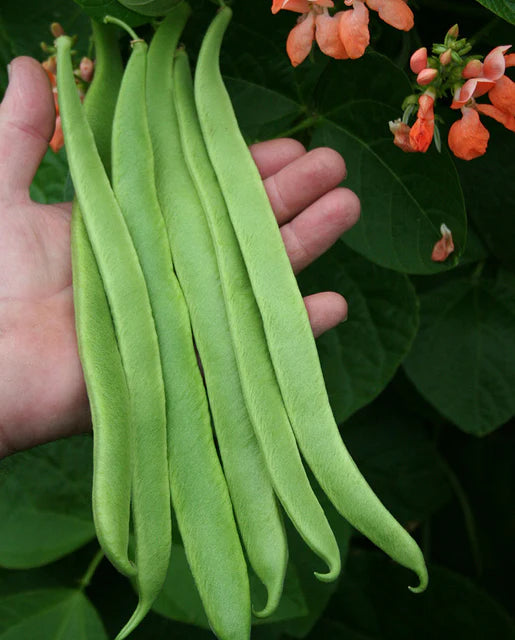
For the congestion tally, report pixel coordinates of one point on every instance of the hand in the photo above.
(42, 391)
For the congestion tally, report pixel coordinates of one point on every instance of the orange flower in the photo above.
(342, 35)
(444, 247)
(468, 138)
(420, 135)
(501, 91)
(422, 131)
(401, 133)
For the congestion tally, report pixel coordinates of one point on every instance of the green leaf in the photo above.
(401, 215)
(50, 180)
(49, 614)
(45, 503)
(374, 604)
(98, 9)
(462, 358)
(392, 448)
(503, 8)
(149, 7)
(360, 356)
(24, 25)
(276, 112)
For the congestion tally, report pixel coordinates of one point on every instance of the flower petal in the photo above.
(354, 29)
(464, 93)
(394, 12)
(502, 95)
(444, 247)
(468, 138)
(494, 64)
(328, 36)
(300, 39)
(57, 140)
(473, 69)
(401, 133)
(501, 116)
(300, 6)
(422, 131)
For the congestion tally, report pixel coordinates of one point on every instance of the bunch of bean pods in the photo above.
(176, 250)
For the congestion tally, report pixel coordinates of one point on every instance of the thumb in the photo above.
(27, 120)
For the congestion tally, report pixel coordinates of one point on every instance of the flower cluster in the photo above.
(343, 34)
(452, 70)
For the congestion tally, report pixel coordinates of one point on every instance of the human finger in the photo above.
(303, 181)
(273, 155)
(325, 310)
(317, 228)
(27, 118)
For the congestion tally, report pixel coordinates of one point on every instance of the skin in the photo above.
(43, 396)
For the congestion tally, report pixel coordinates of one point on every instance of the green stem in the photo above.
(301, 126)
(123, 25)
(92, 567)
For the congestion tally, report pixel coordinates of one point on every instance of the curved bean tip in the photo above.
(271, 604)
(333, 573)
(423, 577)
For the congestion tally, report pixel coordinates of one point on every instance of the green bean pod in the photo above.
(252, 494)
(285, 320)
(133, 186)
(199, 492)
(261, 392)
(131, 312)
(100, 357)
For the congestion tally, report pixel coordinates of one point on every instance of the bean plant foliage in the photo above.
(421, 377)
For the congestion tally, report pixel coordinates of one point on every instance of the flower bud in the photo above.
(426, 76)
(418, 60)
(56, 29)
(453, 32)
(445, 57)
(86, 68)
(472, 69)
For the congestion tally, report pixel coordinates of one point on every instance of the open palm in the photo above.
(42, 391)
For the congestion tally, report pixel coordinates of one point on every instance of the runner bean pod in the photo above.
(98, 348)
(133, 187)
(252, 494)
(128, 300)
(260, 390)
(284, 316)
(200, 496)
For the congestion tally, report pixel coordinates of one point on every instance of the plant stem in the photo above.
(90, 571)
(301, 126)
(123, 25)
